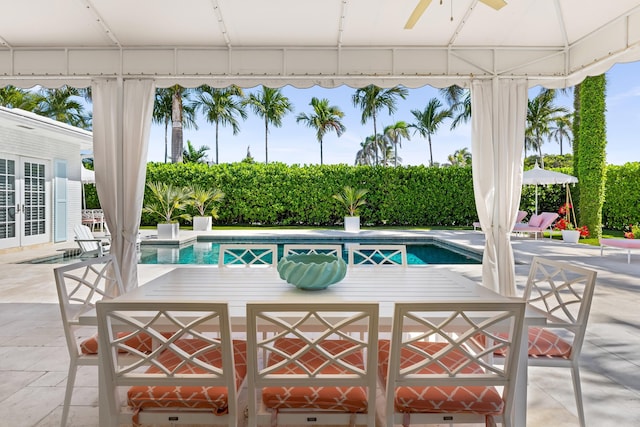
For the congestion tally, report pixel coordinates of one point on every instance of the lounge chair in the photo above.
(521, 216)
(88, 243)
(537, 224)
(626, 244)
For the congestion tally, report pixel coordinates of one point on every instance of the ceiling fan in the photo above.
(423, 4)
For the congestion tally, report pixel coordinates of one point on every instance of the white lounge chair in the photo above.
(88, 243)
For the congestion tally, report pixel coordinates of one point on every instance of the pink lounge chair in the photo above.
(627, 244)
(537, 224)
(521, 216)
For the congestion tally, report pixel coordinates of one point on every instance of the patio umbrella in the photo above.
(86, 177)
(538, 176)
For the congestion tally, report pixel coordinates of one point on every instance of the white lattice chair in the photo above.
(378, 255)
(80, 286)
(248, 255)
(434, 370)
(193, 374)
(316, 370)
(564, 293)
(323, 249)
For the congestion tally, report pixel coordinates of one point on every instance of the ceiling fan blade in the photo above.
(417, 13)
(496, 4)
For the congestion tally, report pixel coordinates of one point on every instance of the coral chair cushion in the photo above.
(345, 399)
(439, 399)
(535, 220)
(192, 397)
(142, 342)
(545, 343)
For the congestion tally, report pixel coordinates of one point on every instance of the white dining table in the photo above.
(385, 285)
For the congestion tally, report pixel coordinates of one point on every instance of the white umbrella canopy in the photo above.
(86, 177)
(538, 176)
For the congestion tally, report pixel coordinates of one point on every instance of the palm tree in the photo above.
(541, 112)
(58, 104)
(13, 97)
(394, 134)
(366, 155)
(561, 129)
(162, 114)
(461, 157)
(183, 114)
(272, 106)
(372, 99)
(429, 120)
(191, 155)
(221, 107)
(459, 100)
(325, 118)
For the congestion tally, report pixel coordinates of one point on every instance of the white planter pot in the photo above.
(570, 236)
(168, 231)
(202, 223)
(352, 224)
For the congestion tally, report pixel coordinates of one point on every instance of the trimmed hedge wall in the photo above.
(622, 196)
(277, 194)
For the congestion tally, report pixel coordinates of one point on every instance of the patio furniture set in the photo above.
(441, 348)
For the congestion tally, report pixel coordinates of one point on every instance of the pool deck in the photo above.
(35, 360)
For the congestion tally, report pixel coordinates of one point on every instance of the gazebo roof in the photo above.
(306, 42)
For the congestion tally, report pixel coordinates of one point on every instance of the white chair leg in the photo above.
(577, 391)
(71, 380)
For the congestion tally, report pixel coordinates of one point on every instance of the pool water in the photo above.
(203, 253)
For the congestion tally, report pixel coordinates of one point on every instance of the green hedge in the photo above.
(622, 196)
(277, 194)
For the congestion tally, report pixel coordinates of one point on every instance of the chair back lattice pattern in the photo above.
(312, 363)
(295, 249)
(437, 366)
(564, 292)
(379, 255)
(248, 255)
(191, 376)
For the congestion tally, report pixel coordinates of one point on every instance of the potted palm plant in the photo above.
(352, 199)
(203, 200)
(167, 205)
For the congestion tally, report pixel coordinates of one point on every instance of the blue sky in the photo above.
(295, 143)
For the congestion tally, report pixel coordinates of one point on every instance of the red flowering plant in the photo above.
(632, 231)
(565, 223)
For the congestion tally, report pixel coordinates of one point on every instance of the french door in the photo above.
(24, 201)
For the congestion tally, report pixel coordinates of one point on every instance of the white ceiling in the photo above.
(306, 42)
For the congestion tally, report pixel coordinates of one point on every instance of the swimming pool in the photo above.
(207, 252)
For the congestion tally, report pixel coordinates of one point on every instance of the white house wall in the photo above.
(48, 142)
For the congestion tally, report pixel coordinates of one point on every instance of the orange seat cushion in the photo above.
(542, 343)
(545, 343)
(193, 397)
(343, 399)
(439, 399)
(141, 342)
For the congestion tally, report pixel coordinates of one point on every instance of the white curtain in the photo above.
(499, 113)
(122, 113)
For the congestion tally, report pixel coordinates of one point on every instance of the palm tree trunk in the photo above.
(266, 137)
(166, 140)
(176, 128)
(217, 142)
(430, 151)
(395, 155)
(375, 136)
(321, 152)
